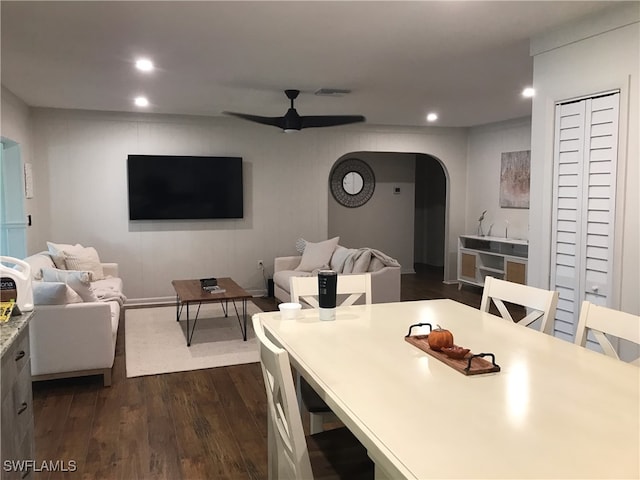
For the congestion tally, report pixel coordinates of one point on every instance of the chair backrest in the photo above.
(600, 320)
(541, 304)
(305, 289)
(290, 457)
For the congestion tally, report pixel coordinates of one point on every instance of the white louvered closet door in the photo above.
(585, 157)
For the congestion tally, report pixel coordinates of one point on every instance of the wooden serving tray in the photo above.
(477, 366)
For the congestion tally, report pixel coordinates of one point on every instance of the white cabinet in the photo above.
(17, 408)
(479, 257)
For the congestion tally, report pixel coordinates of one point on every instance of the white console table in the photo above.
(479, 257)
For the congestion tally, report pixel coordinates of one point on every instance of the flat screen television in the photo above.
(167, 187)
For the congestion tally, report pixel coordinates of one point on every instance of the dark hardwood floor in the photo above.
(205, 424)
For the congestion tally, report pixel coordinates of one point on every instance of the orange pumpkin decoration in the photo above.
(440, 338)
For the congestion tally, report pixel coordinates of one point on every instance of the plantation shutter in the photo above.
(585, 157)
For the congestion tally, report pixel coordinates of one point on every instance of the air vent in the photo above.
(332, 92)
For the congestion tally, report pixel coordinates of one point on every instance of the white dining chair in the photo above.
(541, 304)
(331, 454)
(304, 290)
(603, 321)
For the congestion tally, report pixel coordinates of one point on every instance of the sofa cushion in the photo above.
(85, 259)
(54, 293)
(57, 252)
(317, 255)
(283, 277)
(39, 261)
(77, 280)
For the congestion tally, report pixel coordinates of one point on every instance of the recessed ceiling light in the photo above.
(141, 101)
(144, 64)
(528, 92)
(432, 117)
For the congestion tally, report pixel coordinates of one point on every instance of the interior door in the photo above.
(13, 226)
(585, 157)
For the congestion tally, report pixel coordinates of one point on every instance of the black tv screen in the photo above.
(166, 187)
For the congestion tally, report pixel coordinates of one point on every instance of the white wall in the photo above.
(385, 222)
(15, 120)
(486, 145)
(79, 165)
(599, 54)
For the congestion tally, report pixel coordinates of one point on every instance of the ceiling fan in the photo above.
(292, 122)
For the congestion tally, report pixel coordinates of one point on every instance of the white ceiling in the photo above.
(466, 60)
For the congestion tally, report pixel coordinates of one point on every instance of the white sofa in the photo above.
(73, 335)
(385, 271)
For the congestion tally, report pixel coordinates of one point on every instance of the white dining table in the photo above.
(554, 410)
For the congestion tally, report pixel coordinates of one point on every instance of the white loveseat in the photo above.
(385, 271)
(73, 332)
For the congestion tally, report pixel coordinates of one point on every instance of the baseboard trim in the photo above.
(171, 300)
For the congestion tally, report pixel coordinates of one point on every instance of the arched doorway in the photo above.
(430, 215)
(406, 216)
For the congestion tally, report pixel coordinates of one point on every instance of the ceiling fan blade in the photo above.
(291, 121)
(273, 121)
(330, 120)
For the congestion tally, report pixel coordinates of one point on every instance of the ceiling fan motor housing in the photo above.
(292, 120)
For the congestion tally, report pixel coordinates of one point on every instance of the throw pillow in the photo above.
(300, 244)
(79, 281)
(317, 255)
(37, 262)
(54, 293)
(85, 259)
(56, 250)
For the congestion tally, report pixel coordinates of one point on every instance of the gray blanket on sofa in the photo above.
(359, 261)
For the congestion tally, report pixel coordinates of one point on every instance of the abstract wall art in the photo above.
(515, 173)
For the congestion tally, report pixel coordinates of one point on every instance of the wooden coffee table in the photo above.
(190, 291)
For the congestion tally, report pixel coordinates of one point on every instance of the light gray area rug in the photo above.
(156, 343)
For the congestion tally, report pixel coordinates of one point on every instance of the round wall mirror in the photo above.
(352, 182)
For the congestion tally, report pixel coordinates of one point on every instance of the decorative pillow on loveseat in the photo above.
(38, 262)
(85, 259)
(56, 250)
(54, 293)
(317, 255)
(76, 257)
(78, 281)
